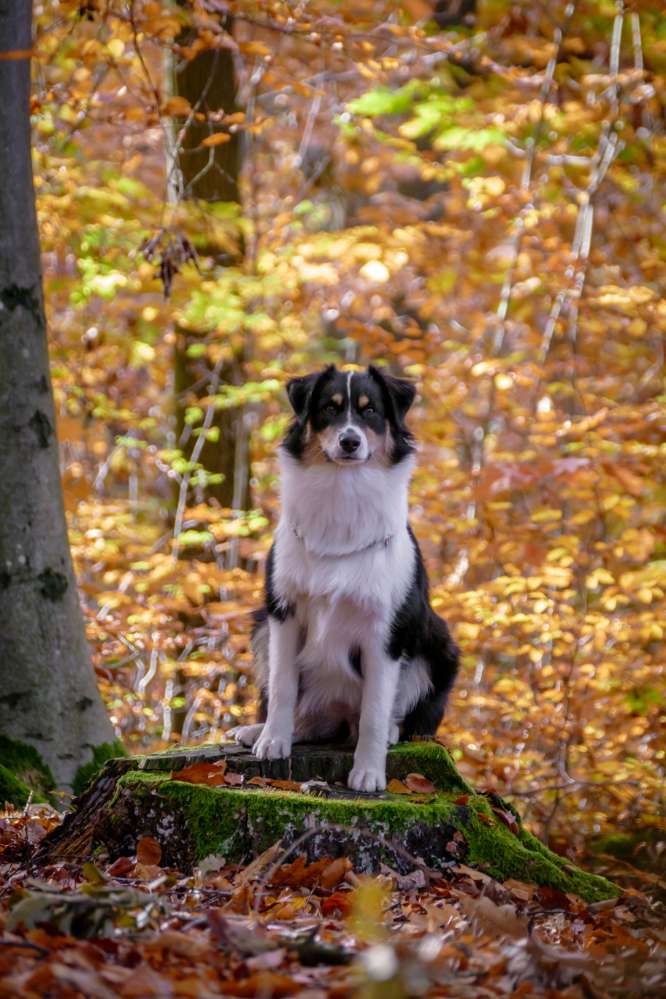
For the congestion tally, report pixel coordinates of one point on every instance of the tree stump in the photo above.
(314, 813)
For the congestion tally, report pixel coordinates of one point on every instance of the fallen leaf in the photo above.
(336, 872)
(552, 898)
(264, 983)
(508, 819)
(396, 786)
(145, 981)
(203, 773)
(120, 867)
(285, 785)
(420, 784)
(268, 961)
(337, 903)
(288, 909)
(148, 851)
(495, 918)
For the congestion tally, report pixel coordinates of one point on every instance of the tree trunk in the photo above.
(48, 695)
(210, 174)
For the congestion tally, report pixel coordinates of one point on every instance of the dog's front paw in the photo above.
(366, 778)
(245, 735)
(272, 746)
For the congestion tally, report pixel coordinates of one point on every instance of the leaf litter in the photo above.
(280, 926)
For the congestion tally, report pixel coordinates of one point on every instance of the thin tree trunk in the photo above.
(210, 174)
(48, 695)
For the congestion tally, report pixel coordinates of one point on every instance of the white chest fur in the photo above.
(330, 539)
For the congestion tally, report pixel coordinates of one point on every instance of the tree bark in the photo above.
(48, 694)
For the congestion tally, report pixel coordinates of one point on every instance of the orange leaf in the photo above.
(177, 106)
(120, 867)
(264, 983)
(325, 872)
(148, 851)
(420, 784)
(289, 909)
(397, 787)
(335, 872)
(217, 139)
(338, 902)
(285, 785)
(202, 773)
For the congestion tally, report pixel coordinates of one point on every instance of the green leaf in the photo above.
(385, 101)
(469, 138)
(187, 538)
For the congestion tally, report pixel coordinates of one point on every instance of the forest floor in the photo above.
(280, 927)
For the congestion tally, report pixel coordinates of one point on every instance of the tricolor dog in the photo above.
(347, 640)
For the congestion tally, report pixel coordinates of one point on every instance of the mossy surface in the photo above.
(22, 771)
(101, 754)
(12, 790)
(239, 823)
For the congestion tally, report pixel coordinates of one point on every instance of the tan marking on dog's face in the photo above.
(337, 398)
(313, 453)
(363, 401)
(380, 446)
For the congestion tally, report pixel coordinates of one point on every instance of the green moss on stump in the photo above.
(101, 754)
(22, 770)
(192, 821)
(12, 790)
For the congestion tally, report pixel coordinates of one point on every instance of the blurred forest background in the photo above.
(471, 193)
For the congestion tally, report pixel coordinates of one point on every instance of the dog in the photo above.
(347, 639)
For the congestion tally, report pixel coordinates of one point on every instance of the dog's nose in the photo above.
(349, 441)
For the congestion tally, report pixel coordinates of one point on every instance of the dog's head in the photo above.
(349, 417)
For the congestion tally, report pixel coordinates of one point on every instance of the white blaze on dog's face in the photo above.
(349, 418)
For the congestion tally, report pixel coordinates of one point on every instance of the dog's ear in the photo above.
(399, 391)
(299, 390)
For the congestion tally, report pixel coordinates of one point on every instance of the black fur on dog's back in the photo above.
(416, 630)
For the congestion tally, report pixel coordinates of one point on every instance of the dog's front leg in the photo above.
(380, 683)
(275, 740)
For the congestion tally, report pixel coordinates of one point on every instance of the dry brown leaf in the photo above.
(285, 785)
(495, 918)
(396, 786)
(148, 851)
(263, 983)
(420, 784)
(203, 773)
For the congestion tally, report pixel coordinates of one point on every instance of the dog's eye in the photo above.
(331, 409)
(368, 410)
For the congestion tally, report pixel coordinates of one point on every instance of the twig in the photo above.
(608, 148)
